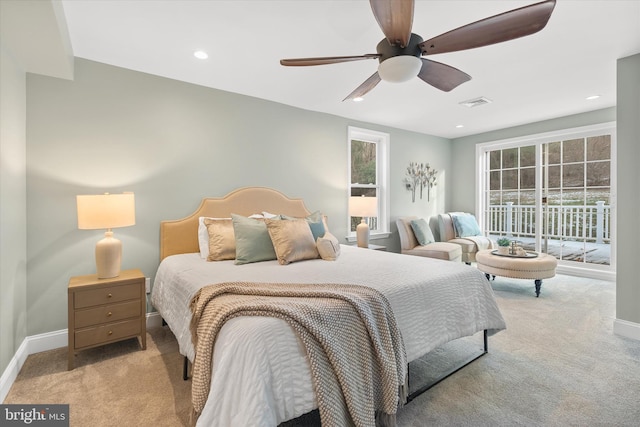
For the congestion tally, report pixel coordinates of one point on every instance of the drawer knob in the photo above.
(109, 314)
(110, 333)
(109, 296)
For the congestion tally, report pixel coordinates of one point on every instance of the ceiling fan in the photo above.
(399, 53)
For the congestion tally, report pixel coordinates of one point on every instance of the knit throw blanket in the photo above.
(355, 349)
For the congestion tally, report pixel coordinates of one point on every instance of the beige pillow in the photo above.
(292, 240)
(316, 221)
(222, 241)
(328, 247)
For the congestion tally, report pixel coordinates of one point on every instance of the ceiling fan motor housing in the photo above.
(399, 64)
(387, 50)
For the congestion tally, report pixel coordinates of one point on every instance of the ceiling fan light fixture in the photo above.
(400, 68)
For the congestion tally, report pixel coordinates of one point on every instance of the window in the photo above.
(553, 193)
(368, 165)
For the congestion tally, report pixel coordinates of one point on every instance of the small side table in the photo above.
(377, 247)
(103, 311)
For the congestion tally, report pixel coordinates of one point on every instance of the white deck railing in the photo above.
(586, 223)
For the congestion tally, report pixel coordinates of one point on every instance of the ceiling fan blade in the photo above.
(395, 18)
(365, 87)
(298, 62)
(442, 76)
(495, 29)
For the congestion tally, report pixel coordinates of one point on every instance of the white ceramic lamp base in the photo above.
(108, 256)
(362, 234)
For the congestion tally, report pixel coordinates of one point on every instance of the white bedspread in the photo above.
(261, 376)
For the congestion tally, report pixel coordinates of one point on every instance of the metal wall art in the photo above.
(419, 176)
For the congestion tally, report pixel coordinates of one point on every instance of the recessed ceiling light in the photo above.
(589, 98)
(459, 126)
(200, 54)
(358, 99)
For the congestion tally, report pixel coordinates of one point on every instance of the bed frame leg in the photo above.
(452, 371)
(185, 369)
(185, 365)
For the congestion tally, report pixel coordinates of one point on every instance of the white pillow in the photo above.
(269, 215)
(203, 238)
(328, 247)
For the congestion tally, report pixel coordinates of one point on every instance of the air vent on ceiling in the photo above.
(476, 102)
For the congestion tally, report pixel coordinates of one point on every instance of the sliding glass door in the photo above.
(554, 194)
(578, 195)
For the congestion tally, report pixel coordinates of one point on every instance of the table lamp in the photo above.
(106, 211)
(364, 207)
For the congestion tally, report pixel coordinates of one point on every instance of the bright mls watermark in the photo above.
(34, 415)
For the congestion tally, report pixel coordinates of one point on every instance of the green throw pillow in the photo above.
(315, 223)
(253, 243)
(422, 231)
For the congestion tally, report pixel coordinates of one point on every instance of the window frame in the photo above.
(382, 141)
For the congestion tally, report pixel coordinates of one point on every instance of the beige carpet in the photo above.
(557, 364)
(114, 385)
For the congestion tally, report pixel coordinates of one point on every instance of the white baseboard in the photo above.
(11, 372)
(44, 342)
(589, 273)
(47, 341)
(627, 329)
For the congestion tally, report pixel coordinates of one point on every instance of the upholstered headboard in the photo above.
(181, 236)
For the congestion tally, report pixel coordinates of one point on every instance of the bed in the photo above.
(260, 374)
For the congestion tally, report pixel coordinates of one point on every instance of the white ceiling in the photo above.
(546, 75)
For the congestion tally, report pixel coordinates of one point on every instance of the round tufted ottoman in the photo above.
(541, 267)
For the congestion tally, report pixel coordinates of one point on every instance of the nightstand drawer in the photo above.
(106, 333)
(106, 295)
(107, 313)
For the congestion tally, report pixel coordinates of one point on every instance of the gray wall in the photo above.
(628, 226)
(172, 143)
(13, 249)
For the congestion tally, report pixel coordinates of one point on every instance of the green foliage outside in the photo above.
(363, 162)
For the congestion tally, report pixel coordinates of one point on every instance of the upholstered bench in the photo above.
(409, 244)
(540, 267)
(470, 244)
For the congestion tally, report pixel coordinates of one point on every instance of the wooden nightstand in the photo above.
(102, 311)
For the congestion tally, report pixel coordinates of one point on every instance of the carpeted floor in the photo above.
(557, 364)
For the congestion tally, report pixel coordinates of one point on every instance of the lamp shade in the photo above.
(360, 206)
(106, 211)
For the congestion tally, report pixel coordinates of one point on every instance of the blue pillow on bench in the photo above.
(465, 225)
